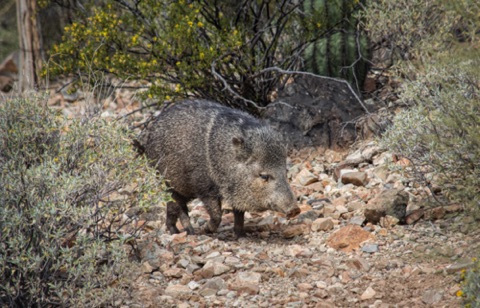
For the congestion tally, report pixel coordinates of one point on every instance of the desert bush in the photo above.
(438, 48)
(439, 133)
(64, 188)
(414, 30)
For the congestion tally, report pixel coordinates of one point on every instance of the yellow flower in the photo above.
(459, 293)
(200, 24)
(178, 63)
(167, 97)
(190, 23)
(202, 56)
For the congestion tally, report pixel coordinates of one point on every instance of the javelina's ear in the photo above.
(240, 148)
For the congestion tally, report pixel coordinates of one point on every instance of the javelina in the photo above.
(219, 155)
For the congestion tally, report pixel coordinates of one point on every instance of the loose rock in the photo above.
(391, 202)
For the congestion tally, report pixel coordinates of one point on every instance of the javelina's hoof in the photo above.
(240, 233)
(173, 229)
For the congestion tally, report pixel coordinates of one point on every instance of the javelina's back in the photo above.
(215, 153)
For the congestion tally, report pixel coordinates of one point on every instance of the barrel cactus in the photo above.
(338, 48)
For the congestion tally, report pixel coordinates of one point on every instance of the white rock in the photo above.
(368, 294)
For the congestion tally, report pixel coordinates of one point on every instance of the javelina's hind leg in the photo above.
(214, 209)
(178, 209)
(239, 218)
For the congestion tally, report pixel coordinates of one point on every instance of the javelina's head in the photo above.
(261, 173)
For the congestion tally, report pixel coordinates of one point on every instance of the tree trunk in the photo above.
(30, 44)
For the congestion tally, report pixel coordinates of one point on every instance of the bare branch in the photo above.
(282, 71)
(229, 89)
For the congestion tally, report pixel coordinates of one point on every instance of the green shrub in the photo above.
(471, 286)
(217, 50)
(439, 133)
(417, 29)
(64, 188)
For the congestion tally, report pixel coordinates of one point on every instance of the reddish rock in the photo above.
(355, 178)
(349, 238)
(174, 273)
(305, 177)
(435, 213)
(414, 216)
(304, 287)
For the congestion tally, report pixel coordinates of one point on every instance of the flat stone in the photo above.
(370, 248)
(432, 297)
(322, 224)
(357, 220)
(245, 287)
(249, 277)
(177, 290)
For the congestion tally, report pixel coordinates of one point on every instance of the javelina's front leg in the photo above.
(178, 209)
(239, 218)
(214, 209)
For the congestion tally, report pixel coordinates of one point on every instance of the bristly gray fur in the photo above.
(220, 155)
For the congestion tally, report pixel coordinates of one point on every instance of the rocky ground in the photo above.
(366, 236)
(351, 245)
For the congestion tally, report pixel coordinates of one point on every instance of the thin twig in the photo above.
(229, 89)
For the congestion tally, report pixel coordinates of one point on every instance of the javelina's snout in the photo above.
(287, 203)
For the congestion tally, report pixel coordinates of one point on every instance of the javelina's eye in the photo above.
(264, 177)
